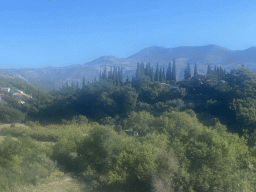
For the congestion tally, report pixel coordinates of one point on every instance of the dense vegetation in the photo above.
(194, 135)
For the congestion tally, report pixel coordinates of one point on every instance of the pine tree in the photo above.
(174, 71)
(195, 70)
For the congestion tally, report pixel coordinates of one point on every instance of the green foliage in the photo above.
(23, 162)
(50, 133)
(245, 113)
(10, 115)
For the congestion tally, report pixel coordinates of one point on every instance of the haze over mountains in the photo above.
(54, 77)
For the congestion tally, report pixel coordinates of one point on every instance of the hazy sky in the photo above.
(41, 33)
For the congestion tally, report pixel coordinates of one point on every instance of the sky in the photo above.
(43, 33)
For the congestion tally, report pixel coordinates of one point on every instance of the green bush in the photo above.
(23, 162)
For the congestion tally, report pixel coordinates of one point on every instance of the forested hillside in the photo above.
(150, 133)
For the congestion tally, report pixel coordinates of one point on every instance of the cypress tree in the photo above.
(195, 70)
(147, 70)
(157, 73)
(120, 75)
(169, 72)
(151, 75)
(174, 71)
(142, 69)
(100, 76)
(104, 76)
(110, 74)
(163, 75)
(127, 80)
(209, 70)
(187, 72)
(83, 82)
(138, 71)
(160, 75)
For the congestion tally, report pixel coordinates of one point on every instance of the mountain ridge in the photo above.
(55, 77)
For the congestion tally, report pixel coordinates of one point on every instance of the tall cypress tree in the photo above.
(110, 74)
(160, 75)
(104, 75)
(83, 82)
(142, 69)
(169, 72)
(100, 76)
(120, 75)
(174, 71)
(195, 70)
(187, 72)
(209, 70)
(163, 75)
(138, 70)
(127, 80)
(157, 73)
(151, 74)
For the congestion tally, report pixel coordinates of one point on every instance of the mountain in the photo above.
(55, 77)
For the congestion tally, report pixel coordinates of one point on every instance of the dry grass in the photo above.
(66, 184)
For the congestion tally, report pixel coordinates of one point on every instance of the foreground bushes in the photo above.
(177, 153)
(24, 162)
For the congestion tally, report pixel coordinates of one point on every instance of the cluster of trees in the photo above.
(114, 75)
(159, 75)
(187, 71)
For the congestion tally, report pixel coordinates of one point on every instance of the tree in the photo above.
(195, 70)
(83, 86)
(174, 71)
(169, 72)
(157, 73)
(209, 70)
(187, 72)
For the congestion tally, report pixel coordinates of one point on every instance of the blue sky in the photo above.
(41, 33)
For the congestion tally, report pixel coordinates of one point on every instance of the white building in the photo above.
(6, 89)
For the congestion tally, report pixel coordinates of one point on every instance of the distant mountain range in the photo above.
(54, 77)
